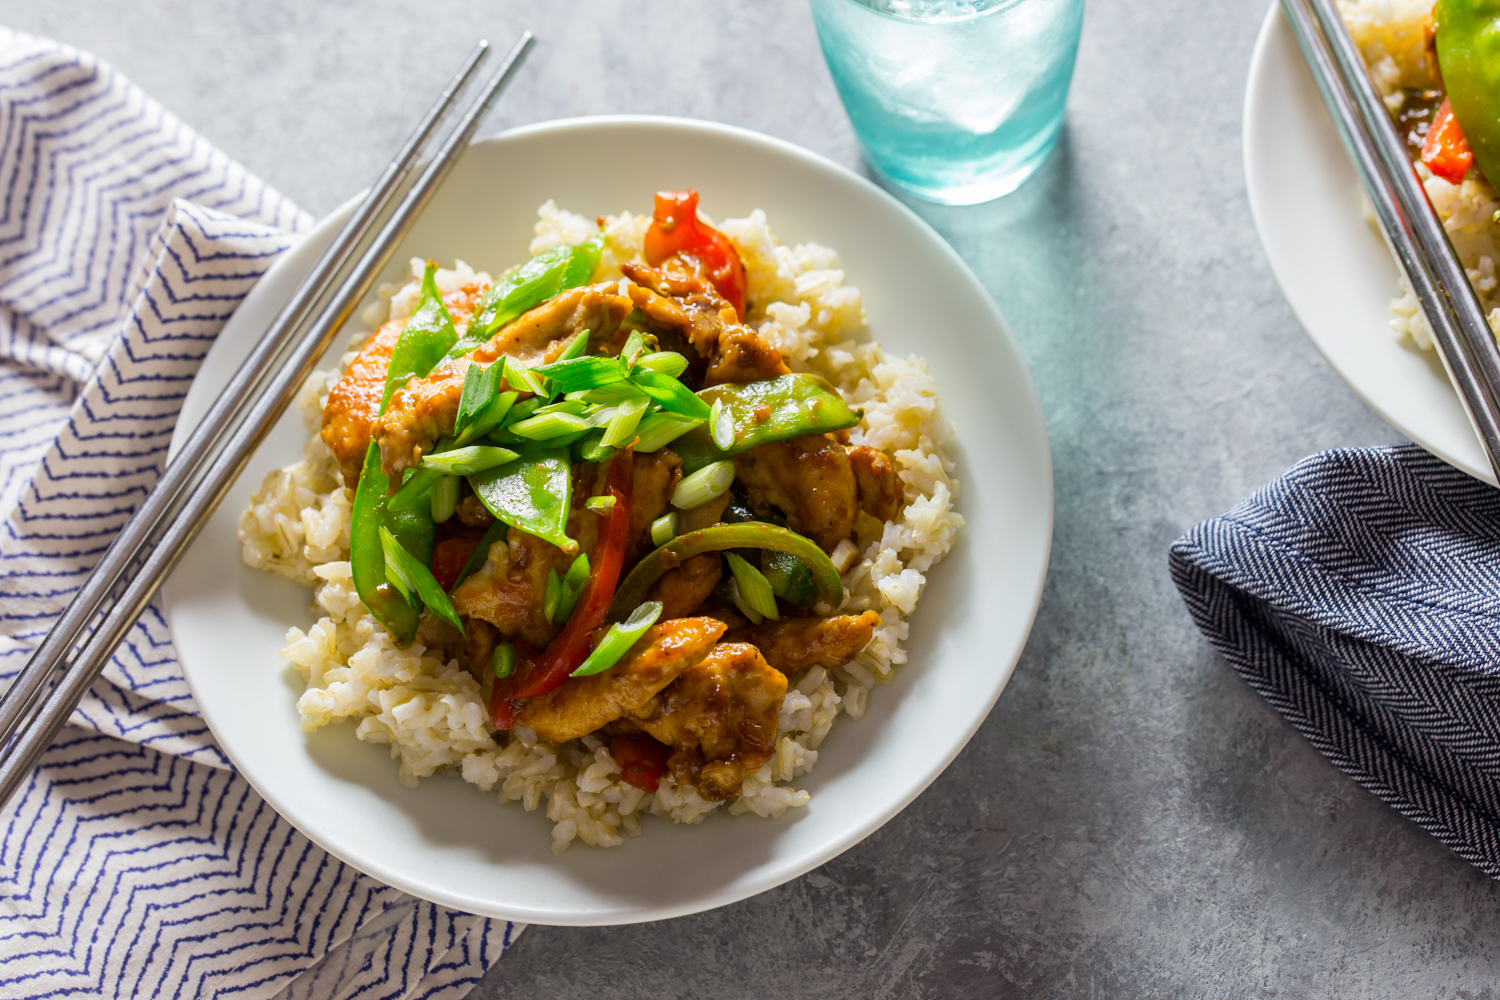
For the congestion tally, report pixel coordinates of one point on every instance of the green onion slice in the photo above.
(551, 595)
(704, 485)
(444, 498)
(668, 363)
(601, 505)
(467, 461)
(591, 448)
(588, 371)
(621, 427)
(490, 417)
(609, 395)
(618, 640)
(754, 589)
(745, 607)
(574, 407)
(664, 529)
(635, 346)
(572, 587)
(481, 386)
(721, 426)
(576, 346)
(547, 426)
(414, 487)
(523, 378)
(503, 660)
(661, 429)
(406, 573)
(671, 394)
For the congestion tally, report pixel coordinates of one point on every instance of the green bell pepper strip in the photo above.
(789, 577)
(528, 286)
(794, 406)
(428, 333)
(717, 538)
(1467, 34)
(532, 495)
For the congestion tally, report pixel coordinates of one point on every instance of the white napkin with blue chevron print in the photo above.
(1359, 593)
(136, 863)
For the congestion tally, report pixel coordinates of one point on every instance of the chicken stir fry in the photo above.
(613, 500)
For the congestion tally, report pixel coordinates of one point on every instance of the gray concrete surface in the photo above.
(1132, 820)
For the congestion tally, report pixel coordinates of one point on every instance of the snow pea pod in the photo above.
(533, 494)
(1467, 33)
(528, 286)
(776, 409)
(427, 335)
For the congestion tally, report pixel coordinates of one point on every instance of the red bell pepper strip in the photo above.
(541, 674)
(450, 556)
(676, 230)
(1446, 152)
(642, 760)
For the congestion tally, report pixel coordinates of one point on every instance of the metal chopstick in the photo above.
(42, 726)
(65, 633)
(1413, 230)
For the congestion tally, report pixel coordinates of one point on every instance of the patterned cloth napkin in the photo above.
(136, 862)
(1360, 594)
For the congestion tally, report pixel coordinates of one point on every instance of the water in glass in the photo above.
(956, 101)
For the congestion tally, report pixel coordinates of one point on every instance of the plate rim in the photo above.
(1275, 31)
(855, 833)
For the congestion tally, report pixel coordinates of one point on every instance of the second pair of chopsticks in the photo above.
(1411, 227)
(131, 571)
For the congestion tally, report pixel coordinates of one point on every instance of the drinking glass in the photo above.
(955, 101)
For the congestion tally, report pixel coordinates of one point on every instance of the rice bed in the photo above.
(432, 713)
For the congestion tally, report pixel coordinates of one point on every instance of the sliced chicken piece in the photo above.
(809, 480)
(580, 705)
(507, 591)
(683, 589)
(655, 477)
(354, 402)
(480, 639)
(794, 644)
(679, 296)
(709, 514)
(424, 410)
(878, 486)
(720, 718)
(742, 356)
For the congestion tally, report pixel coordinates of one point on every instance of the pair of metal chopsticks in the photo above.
(1411, 227)
(124, 581)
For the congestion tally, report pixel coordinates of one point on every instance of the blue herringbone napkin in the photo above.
(1360, 594)
(136, 863)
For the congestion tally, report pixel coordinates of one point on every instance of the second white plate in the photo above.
(1332, 266)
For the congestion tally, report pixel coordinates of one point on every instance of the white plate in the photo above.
(448, 843)
(1333, 267)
